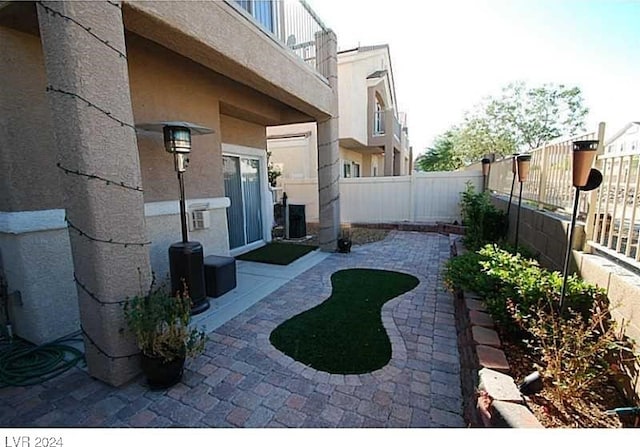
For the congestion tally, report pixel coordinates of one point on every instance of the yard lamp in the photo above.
(523, 161)
(486, 169)
(584, 179)
(186, 258)
(514, 171)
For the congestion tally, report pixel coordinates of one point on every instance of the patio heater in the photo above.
(514, 170)
(584, 179)
(486, 169)
(523, 161)
(186, 258)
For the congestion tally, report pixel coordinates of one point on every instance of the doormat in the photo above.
(279, 253)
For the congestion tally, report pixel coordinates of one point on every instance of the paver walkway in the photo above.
(242, 381)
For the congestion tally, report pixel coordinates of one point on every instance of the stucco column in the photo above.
(90, 104)
(328, 148)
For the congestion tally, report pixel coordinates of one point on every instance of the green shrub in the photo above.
(575, 349)
(483, 222)
(463, 272)
(533, 287)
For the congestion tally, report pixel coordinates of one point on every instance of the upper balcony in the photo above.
(381, 124)
(267, 45)
(291, 22)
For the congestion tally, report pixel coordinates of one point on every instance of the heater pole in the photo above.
(183, 211)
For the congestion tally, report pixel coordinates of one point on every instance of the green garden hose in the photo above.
(24, 364)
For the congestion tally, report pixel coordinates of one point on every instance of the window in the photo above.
(375, 171)
(378, 119)
(346, 170)
(261, 10)
(356, 169)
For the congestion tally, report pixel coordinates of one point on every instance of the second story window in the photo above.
(378, 119)
(261, 10)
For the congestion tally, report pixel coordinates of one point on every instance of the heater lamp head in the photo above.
(177, 139)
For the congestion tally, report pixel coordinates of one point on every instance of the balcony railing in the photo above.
(291, 22)
(397, 128)
(380, 118)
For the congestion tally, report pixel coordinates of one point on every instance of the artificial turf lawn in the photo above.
(344, 334)
(277, 253)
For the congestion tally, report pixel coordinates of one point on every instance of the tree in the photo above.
(441, 157)
(479, 136)
(522, 118)
(533, 116)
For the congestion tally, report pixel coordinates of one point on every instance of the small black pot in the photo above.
(344, 245)
(160, 374)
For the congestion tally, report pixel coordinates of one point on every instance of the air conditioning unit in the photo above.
(200, 220)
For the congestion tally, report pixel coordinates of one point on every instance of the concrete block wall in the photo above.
(623, 290)
(544, 233)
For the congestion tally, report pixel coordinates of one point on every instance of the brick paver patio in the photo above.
(242, 381)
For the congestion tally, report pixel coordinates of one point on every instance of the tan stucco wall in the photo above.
(179, 91)
(297, 154)
(218, 36)
(28, 156)
(242, 133)
(164, 86)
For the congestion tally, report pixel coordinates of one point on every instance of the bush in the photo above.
(575, 348)
(463, 272)
(483, 222)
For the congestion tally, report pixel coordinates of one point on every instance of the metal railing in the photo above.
(397, 128)
(615, 223)
(291, 22)
(610, 213)
(550, 183)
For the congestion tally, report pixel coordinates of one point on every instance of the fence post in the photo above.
(412, 198)
(593, 195)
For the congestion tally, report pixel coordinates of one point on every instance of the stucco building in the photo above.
(89, 202)
(373, 133)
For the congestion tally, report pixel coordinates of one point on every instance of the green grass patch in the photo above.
(344, 334)
(277, 253)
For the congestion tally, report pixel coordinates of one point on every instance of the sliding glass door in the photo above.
(242, 186)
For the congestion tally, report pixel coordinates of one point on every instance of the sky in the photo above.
(448, 55)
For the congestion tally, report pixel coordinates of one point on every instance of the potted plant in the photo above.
(160, 323)
(344, 242)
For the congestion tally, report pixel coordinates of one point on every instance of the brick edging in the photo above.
(441, 228)
(491, 398)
